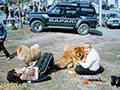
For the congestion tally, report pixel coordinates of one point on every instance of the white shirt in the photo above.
(92, 61)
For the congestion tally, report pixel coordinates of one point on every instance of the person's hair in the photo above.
(89, 44)
(11, 77)
(11, 73)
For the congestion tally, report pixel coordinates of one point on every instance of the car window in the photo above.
(112, 15)
(72, 11)
(58, 10)
(87, 12)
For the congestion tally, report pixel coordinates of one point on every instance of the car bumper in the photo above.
(113, 24)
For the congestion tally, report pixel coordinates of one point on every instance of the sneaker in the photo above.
(8, 58)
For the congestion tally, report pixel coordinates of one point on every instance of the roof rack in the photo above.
(78, 2)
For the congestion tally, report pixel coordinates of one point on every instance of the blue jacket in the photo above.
(2, 32)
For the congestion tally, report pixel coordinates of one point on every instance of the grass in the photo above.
(16, 34)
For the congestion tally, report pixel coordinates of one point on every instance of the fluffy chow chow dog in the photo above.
(66, 56)
(34, 54)
(22, 52)
(71, 56)
(79, 55)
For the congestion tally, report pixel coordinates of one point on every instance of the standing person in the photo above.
(11, 9)
(16, 11)
(7, 11)
(35, 8)
(3, 35)
(92, 64)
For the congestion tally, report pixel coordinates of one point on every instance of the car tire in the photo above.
(83, 29)
(37, 26)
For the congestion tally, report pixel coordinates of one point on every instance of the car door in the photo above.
(71, 15)
(89, 15)
(56, 16)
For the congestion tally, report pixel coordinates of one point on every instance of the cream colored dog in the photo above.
(29, 55)
(34, 54)
(22, 52)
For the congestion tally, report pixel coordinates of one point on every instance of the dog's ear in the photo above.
(19, 49)
(75, 48)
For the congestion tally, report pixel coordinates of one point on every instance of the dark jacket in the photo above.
(2, 32)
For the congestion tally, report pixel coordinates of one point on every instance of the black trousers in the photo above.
(45, 64)
(2, 47)
(82, 71)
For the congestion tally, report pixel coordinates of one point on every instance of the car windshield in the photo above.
(112, 15)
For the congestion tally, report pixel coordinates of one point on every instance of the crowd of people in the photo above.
(13, 10)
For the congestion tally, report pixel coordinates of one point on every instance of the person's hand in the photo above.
(2, 37)
(79, 62)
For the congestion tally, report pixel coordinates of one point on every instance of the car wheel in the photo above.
(37, 26)
(83, 29)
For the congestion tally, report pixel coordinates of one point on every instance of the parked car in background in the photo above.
(80, 16)
(111, 20)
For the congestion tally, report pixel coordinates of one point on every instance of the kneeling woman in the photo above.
(92, 64)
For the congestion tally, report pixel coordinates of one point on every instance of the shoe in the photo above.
(8, 58)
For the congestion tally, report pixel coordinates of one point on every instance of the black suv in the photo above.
(80, 16)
